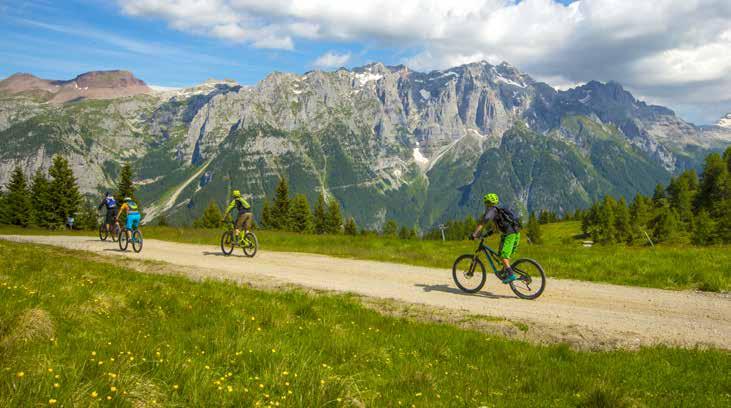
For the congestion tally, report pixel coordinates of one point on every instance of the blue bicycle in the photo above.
(133, 235)
(469, 273)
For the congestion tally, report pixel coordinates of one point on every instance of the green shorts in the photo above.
(509, 245)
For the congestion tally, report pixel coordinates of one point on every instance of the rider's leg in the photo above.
(508, 246)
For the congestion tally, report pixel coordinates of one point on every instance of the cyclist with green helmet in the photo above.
(509, 227)
(244, 218)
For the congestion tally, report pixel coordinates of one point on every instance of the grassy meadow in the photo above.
(80, 332)
(562, 256)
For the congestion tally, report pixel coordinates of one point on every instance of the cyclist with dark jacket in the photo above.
(111, 205)
(509, 229)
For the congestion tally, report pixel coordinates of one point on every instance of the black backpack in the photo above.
(508, 218)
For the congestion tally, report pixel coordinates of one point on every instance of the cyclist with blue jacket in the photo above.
(111, 205)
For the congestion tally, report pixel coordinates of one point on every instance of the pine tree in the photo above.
(640, 214)
(41, 201)
(533, 230)
(280, 210)
(319, 215)
(713, 187)
(212, 217)
(17, 200)
(622, 222)
(63, 191)
(704, 231)
(658, 197)
(665, 224)
(390, 229)
(680, 197)
(333, 218)
(604, 230)
(87, 219)
(350, 227)
(266, 214)
(3, 211)
(300, 217)
(723, 224)
(125, 186)
(162, 221)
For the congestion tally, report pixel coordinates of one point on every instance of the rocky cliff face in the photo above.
(388, 142)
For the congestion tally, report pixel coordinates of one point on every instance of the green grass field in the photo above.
(562, 256)
(77, 332)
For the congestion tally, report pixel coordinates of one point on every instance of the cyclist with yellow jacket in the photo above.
(244, 218)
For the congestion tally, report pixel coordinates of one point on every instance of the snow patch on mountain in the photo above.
(365, 77)
(419, 158)
(725, 121)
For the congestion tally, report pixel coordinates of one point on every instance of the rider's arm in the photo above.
(485, 220)
(245, 203)
(229, 208)
(102, 204)
(122, 209)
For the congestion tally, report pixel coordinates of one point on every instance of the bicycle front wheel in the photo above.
(122, 240)
(103, 232)
(469, 273)
(137, 241)
(531, 280)
(227, 242)
(251, 244)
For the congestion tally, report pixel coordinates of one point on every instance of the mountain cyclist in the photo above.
(509, 226)
(133, 215)
(111, 205)
(244, 218)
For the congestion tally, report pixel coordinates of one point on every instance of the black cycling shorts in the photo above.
(111, 215)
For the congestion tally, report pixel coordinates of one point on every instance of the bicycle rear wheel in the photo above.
(251, 244)
(531, 279)
(227, 242)
(103, 232)
(137, 241)
(115, 232)
(469, 273)
(122, 240)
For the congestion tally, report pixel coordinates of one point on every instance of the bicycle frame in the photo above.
(490, 254)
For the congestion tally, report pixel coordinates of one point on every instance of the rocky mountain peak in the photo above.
(108, 79)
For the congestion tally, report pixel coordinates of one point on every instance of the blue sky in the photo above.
(183, 42)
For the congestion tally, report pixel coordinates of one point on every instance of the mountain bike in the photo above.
(249, 243)
(135, 238)
(469, 273)
(112, 231)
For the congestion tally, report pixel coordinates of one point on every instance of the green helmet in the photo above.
(236, 194)
(491, 199)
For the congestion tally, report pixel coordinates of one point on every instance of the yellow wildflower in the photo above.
(94, 394)
(175, 387)
(113, 389)
(51, 401)
(56, 385)
(21, 374)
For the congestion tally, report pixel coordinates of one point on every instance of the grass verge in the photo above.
(665, 266)
(78, 332)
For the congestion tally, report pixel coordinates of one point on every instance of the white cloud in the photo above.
(331, 59)
(661, 48)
